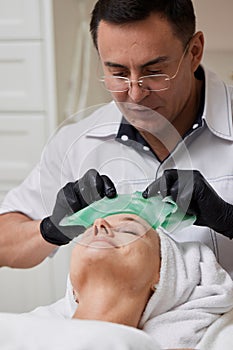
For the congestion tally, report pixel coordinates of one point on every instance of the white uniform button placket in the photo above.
(124, 138)
(146, 148)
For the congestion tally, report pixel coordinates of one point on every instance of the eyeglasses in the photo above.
(154, 82)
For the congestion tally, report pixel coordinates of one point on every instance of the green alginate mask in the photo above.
(156, 211)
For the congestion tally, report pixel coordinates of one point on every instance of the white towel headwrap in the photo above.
(193, 291)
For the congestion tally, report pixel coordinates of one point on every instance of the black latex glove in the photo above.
(72, 197)
(192, 193)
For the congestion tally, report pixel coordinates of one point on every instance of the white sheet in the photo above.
(30, 332)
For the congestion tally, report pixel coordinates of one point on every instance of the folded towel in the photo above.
(219, 335)
(192, 293)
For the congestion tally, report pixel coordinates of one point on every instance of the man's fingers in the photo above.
(93, 186)
(109, 188)
(165, 185)
(86, 188)
(67, 199)
(99, 185)
(152, 190)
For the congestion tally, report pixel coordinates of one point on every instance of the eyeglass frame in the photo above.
(140, 80)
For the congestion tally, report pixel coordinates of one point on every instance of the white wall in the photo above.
(214, 18)
(77, 67)
(23, 290)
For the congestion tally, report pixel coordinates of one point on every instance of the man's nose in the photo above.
(102, 227)
(136, 93)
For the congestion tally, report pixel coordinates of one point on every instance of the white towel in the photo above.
(192, 293)
(219, 335)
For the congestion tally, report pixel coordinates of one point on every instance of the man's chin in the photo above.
(143, 118)
(150, 125)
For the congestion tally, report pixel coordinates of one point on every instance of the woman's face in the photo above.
(122, 249)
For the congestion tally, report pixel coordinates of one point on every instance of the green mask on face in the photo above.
(156, 211)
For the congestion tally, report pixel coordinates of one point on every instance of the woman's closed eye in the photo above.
(131, 233)
(129, 229)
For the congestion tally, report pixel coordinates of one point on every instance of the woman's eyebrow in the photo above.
(129, 218)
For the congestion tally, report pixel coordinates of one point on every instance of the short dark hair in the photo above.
(179, 13)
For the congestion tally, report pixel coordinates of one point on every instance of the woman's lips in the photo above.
(102, 242)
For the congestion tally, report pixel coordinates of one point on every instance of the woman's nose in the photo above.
(102, 227)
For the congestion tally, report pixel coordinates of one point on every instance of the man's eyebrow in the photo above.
(114, 65)
(157, 60)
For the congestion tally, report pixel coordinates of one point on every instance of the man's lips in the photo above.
(142, 109)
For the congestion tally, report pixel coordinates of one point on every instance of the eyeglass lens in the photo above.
(151, 83)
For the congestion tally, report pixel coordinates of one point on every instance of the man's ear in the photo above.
(196, 48)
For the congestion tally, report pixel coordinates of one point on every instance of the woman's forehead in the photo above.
(126, 217)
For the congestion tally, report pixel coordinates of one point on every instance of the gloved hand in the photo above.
(192, 193)
(72, 197)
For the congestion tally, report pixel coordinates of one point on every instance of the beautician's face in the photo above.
(138, 260)
(143, 48)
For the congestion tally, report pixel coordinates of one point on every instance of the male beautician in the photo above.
(168, 113)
